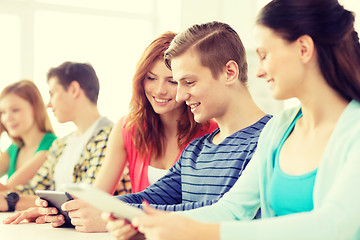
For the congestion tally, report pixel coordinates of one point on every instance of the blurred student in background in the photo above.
(78, 157)
(24, 118)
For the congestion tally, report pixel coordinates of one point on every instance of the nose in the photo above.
(161, 88)
(260, 72)
(181, 94)
(49, 104)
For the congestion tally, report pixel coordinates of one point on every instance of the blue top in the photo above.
(204, 171)
(288, 193)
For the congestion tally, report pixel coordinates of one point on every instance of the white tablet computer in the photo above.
(103, 200)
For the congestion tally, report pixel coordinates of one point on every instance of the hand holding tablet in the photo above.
(103, 201)
(56, 199)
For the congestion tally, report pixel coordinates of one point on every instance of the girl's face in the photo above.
(17, 115)
(279, 64)
(160, 90)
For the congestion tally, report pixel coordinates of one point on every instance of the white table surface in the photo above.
(25, 231)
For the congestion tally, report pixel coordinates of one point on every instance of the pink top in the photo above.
(138, 166)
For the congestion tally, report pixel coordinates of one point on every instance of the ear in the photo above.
(307, 48)
(74, 89)
(232, 72)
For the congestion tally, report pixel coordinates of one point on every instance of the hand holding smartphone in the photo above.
(56, 199)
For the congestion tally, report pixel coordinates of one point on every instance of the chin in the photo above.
(199, 119)
(61, 120)
(13, 134)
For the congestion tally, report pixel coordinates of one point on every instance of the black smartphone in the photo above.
(56, 199)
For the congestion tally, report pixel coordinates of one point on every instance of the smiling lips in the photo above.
(161, 100)
(12, 127)
(193, 105)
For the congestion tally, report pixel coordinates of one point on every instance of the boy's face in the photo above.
(60, 101)
(205, 95)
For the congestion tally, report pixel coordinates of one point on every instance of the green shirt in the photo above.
(14, 149)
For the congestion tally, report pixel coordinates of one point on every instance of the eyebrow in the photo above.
(152, 73)
(167, 77)
(187, 76)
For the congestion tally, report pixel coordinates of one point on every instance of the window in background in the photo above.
(10, 49)
(138, 6)
(354, 6)
(168, 16)
(109, 34)
(9, 58)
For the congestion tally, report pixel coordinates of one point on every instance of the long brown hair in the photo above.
(148, 130)
(28, 91)
(332, 29)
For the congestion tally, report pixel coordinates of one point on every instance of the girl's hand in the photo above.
(161, 225)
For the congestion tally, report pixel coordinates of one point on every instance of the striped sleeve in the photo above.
(166, 191)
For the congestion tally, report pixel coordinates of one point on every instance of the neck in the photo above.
(319, 113)
(170, 123)
(321, 105)
(240, 113)
(85, 117)
(33, 137)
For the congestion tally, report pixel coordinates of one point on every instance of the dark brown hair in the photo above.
(83, 73)
(332, 29)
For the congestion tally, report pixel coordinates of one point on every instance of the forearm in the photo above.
(184, 206)
(166, 191)
(208, 231)
(26, 172)
(25, 202)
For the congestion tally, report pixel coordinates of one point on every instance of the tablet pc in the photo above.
(103, 201)
(56, 199)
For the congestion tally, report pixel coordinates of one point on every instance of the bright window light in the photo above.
(10, 49)
(9, 58)
(112, 45)
(138, 6)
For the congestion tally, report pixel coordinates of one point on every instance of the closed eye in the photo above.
(173, 82)
(151, 78)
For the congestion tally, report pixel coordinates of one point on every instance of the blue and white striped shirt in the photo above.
(204, 172)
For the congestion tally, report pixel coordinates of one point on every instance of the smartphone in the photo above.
(56, 199)
(103, 201)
